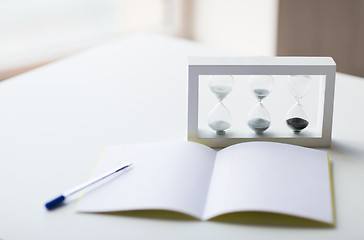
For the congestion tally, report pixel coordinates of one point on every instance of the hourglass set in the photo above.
(259, 120)
(240, 99)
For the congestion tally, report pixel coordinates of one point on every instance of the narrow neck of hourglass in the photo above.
(220, 103)
(260, 104)
(220, 98)
(298, 100)
(260, 101)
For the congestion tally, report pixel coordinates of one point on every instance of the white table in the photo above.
(55, 121)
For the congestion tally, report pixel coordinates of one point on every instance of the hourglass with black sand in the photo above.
(297, 118)
(259, 118)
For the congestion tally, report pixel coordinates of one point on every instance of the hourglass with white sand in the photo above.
(220, 118)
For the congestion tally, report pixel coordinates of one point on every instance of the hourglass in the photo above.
(259, 119)
(220, 118)
(297, 118)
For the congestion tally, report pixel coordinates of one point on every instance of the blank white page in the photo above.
(165, 175)
(271, 177)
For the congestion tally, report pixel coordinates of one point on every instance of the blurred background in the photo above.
(36, 32)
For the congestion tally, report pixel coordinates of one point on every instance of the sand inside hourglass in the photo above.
(218, 125)
(259, 125)
(297, 124)
(221, 91)
(261, 93)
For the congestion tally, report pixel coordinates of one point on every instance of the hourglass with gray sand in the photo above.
(258, 118)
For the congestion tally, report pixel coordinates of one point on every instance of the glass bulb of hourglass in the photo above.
(219, 119)
(259, 119)
(299, 85)
(297, 118)
(261, 85)
(221, 85)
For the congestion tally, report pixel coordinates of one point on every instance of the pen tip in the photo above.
(55, 202)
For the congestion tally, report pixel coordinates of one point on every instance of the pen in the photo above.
(60, 199)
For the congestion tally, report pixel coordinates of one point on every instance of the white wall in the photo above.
(34, 32)
(244, 27)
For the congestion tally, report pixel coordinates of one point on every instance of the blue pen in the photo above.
(60, 199)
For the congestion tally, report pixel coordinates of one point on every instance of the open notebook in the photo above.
(194, 179)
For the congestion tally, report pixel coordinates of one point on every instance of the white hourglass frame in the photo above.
(199, 66)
